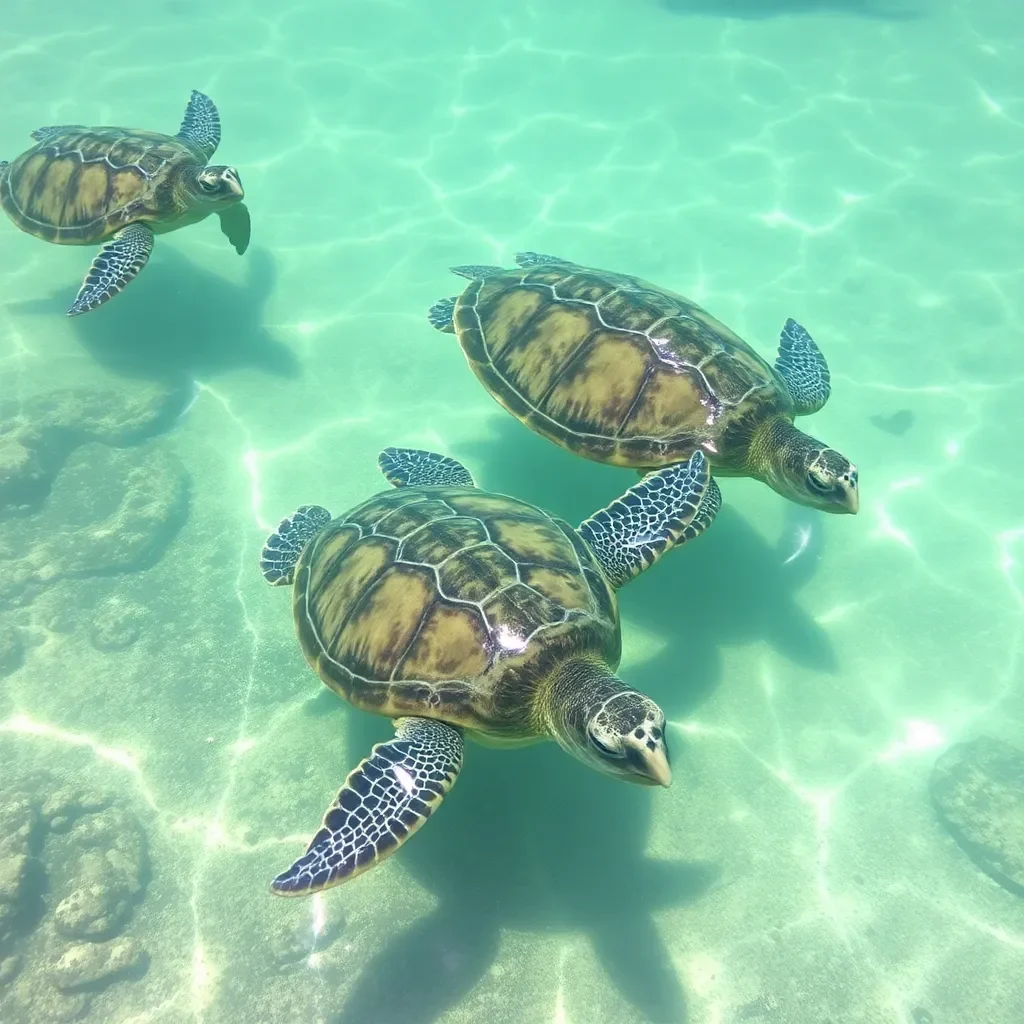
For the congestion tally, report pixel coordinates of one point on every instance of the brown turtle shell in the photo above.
(80, 186)
(614, 368)
(450, 603)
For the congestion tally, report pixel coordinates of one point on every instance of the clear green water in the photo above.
(861, 173)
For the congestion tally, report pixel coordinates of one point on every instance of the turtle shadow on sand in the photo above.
(726, 587)
(880, 10)
(178, 322)
(529, 841)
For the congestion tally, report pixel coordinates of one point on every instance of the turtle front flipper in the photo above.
(281, 551)
(478, 271)
(384, 800)
(200, 127)
(234, 222)
(664, 509)
(802, 366)
(117, 263)
(411, 467)
(538, 259)
(442, 315)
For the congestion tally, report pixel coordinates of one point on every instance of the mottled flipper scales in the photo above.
(477, 272)
(537, 259)
(802, 366)
(442, 315)
(412, 467)
(384, 800)
(117, 263)
(282, 549)
(200, 126)
(663, 510)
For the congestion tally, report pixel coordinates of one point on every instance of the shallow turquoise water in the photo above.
(860, 173)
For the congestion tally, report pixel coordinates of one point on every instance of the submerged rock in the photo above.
(94, 965)
(110, 511)
(23, 474)
(35, 1003)
(66, 804)
(102, 861)
(18, 823)
(978, 790)
(13, 869)
(38, 433)
(71, 842)
(9, 967)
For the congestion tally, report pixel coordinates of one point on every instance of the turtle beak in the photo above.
(231, 179)
(650, 767)
(658, 768)
(851, 492)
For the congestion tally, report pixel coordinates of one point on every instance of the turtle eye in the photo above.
(209, 186)
(816, 484)
(605, 750)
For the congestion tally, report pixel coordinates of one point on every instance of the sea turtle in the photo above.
(84, 186)
(458, 611)
(620, 371)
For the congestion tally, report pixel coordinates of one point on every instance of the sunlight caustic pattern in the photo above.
(770, 167)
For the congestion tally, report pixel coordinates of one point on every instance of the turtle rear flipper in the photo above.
(200, 127)
(282, 548)
(411, 467)
(235, 223)
(384, 800)
(442, 314)
(114, 266)
(664, 509)
(802, 366)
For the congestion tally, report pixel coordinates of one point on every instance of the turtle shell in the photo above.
(614, 368)
(450, 603)
(80, 186)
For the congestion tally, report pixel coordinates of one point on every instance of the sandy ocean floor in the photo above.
(164, 750)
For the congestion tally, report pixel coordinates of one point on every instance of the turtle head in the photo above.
(626, 737)
(830, 480)
(219, 183)
(804, 470)
(600, 720)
